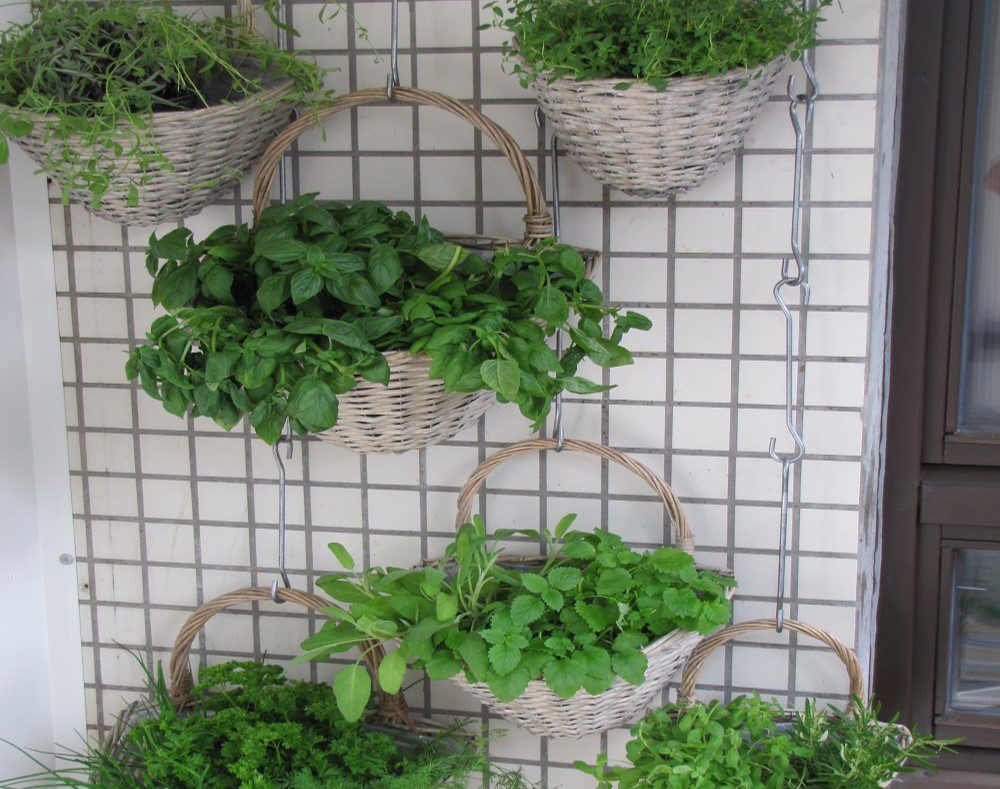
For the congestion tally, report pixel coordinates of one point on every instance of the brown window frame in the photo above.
(941, 484)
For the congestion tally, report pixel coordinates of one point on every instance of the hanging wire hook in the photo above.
(392, 78)
(284, 438)
(557, 421)
(798, 279)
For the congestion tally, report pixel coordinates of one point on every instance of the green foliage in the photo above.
(279, 321)
(100, 70)
(578, 618)
(750, 743)
(650, 40)
(252, 728)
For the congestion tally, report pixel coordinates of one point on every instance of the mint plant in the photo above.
(577, 618)
(751, 743)
(650, 41)
(277, 321)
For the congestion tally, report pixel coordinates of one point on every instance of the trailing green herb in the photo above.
(279, 321)
(250, 727)
(579, 619)
(751, 743)
(650, 41)
(93, 74)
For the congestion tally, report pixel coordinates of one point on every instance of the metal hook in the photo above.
(284, 438)
(557, 422)
(392, 78)
(797, 279)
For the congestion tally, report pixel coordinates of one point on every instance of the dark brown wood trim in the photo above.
(910, 280)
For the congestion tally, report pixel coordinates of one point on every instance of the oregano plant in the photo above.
(650, 41)
(278, 321)
(753, 742)
(576, 619)
(92, 75)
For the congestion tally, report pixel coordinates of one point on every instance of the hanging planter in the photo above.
(246, 724)
(652, 98)
(571, 643)
(138, 114)
(752, 742)
(359, 324)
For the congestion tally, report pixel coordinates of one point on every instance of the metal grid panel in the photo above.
(170, 515)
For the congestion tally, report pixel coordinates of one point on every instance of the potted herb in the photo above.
(652, 97)
(248, 725)
(751, 742)
(561, 644)
(139, 113)
(310, 316)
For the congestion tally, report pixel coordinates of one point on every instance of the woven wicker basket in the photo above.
(209, 148)
(539, 710)
(689, 678)
(392, 714)
(647, 142)
(414, 411)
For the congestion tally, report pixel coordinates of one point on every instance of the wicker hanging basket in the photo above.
(539, 710)
(689, 678)
(414, 411)
(209, 148)
(392, 711)
(647, 142)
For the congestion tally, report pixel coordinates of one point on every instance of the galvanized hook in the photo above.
(286, 439)
(392, 78)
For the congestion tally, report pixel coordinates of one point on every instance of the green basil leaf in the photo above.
(582, 386)
(384, 267)
(313, 404)
(391, 671)
(305, 284)
(552, 306)
(353, 689)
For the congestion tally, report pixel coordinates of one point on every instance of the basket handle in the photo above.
(537, 220)
(689, 677)
(472, 486)
(244, 10)
(392, 707)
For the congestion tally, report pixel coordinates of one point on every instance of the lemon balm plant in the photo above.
(140, 113)
(652, 96)
(576, 620)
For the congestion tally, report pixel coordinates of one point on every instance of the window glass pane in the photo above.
(974, 665)
(980, 402)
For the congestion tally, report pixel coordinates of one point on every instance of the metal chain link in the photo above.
(798, 279)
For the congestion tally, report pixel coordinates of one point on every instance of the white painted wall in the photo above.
(41, 672)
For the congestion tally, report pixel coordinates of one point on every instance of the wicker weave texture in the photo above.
(210, 149)
(412, 412)
(646, 142)
(539, 710)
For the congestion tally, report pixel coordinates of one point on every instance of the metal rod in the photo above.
(285, 438)
(283, 45)
(797, 279)
(557, 420)
(392, 78)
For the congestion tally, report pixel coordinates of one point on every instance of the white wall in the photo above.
(41, 674)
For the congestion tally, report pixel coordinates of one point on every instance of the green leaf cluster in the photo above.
(93, 74)
(577, 618)
(752, 743)
(251, 727)
(278, 321)
(650, 41)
